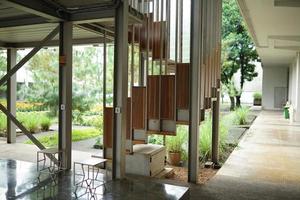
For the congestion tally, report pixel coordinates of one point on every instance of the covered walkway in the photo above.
(265, 165)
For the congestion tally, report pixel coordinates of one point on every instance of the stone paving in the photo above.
(265, 165)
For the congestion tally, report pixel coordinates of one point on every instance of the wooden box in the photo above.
(146, 160)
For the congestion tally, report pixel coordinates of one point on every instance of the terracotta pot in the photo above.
(175, 158)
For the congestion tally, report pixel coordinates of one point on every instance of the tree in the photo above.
(2, 69)
(240, 52)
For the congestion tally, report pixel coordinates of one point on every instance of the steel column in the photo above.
(215, 127)
(11, 95)
(216, 104)
(194, 109)
(65, 93)
(120, 89)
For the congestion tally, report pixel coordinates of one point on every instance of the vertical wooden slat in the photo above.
(138, 109)
(153, 97)
(108, 127)
(167, 97)
(182, 86)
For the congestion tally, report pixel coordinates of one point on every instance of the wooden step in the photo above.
(138, 142)
(166, 173)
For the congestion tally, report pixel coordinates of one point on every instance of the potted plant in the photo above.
(175, 148)
(257, 99)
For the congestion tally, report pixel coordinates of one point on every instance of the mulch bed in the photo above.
(181, 173)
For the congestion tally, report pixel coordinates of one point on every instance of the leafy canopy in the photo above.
(239, 52)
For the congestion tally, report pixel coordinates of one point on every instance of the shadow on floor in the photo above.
(19, 180)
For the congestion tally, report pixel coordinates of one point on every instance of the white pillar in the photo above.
(297, 91)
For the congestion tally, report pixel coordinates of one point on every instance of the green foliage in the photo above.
(3, 123)
(32, 123)
(35, 121)
(241, 115)
(95, 121)
(231, 89)
(2, 68)
(239, 52)
(99, 143)
(176, 143)
(77, 135)
(45, 123)
(205, 138)
(156, 139)
(257, 95)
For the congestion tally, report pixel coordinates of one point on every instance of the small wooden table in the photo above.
(89, 180)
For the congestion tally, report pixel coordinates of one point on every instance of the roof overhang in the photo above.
(275, 28)
(23, 23)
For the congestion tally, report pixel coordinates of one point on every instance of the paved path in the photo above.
(27, 152)
(265, 165)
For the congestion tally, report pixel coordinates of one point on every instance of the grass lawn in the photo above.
(77, 135)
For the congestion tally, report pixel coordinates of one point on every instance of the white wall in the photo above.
(249, 87)
(272, 77)
(294, 87)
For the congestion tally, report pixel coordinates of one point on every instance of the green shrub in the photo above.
(205, 138)
(3, 123)
(32, 123)
(177, 144)
(77, 117)
(241, 115)
(156, 139)
(45, 123)
(257, 95)
(99, 143)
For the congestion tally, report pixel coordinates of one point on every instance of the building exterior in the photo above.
(273, 27)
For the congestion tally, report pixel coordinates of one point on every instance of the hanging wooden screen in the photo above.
(182, 86)
(108, 127)
(153, 97)
(156, 51)
(167, 97)
(138, 107)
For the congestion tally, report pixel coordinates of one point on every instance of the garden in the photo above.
(37, 96)
(232, 127)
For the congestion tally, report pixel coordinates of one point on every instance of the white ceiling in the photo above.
(275, 28)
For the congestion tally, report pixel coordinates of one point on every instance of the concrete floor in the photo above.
(19, 180)
(27, 152)
(265, 165)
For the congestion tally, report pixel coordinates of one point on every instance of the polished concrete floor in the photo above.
(19, 180)
(265, 165)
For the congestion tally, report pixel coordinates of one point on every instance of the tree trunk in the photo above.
(238, 101)
(232, 103)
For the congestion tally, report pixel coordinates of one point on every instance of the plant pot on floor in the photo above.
(175, 158)
(257, 102)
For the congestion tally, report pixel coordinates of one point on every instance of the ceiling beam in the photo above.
(295, 38)
(53, 43)
(38, 8)
(21, 21)
(286, 3)
(289, 48)
(93, 15)
(95, 29)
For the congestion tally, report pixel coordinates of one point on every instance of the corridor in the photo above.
(265, 165)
